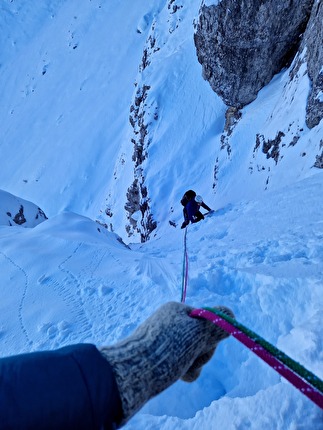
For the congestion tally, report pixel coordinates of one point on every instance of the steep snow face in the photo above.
(67, 73)
(21, 24)
(283, 149)
(184, 137)
(107, 113)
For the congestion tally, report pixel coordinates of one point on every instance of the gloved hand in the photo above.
(168, 346)
(185, 223)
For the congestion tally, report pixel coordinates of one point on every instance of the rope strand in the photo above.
(310, 385)
(281, 356)
(185, 270)
(304, 380)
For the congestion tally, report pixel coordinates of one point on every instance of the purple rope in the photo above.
(280, 367)
(185, 270)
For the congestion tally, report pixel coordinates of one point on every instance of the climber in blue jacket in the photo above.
(82, 387)
(192, 204)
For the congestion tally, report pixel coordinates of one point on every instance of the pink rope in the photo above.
(292, 377)
(185, 280)
(186, 277)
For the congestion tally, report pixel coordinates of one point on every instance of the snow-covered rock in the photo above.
(15, 211)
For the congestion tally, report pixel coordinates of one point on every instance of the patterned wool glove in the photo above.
(168, 346)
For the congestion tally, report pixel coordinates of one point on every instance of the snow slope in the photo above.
(65, 94)
(69, 73)
(68, 280)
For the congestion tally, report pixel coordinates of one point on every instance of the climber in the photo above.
(88, 388)
(192, 204)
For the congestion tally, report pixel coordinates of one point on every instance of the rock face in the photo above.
(15, 211)
(242, 44)
(313, 41)
(138, 203)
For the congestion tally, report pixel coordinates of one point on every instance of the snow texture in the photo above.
(67, 80)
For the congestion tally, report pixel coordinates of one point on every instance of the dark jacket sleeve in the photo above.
(205, 206)
(70, 388)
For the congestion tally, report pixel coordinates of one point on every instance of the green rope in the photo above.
(296, 367)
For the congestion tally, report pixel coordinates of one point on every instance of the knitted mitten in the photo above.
(169, 345)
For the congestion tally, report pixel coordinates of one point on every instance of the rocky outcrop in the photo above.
(319, 158)
(242, 44)
(15, 211)
(313, 41)
(138, 203)
(143, 118)
(270, 147)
